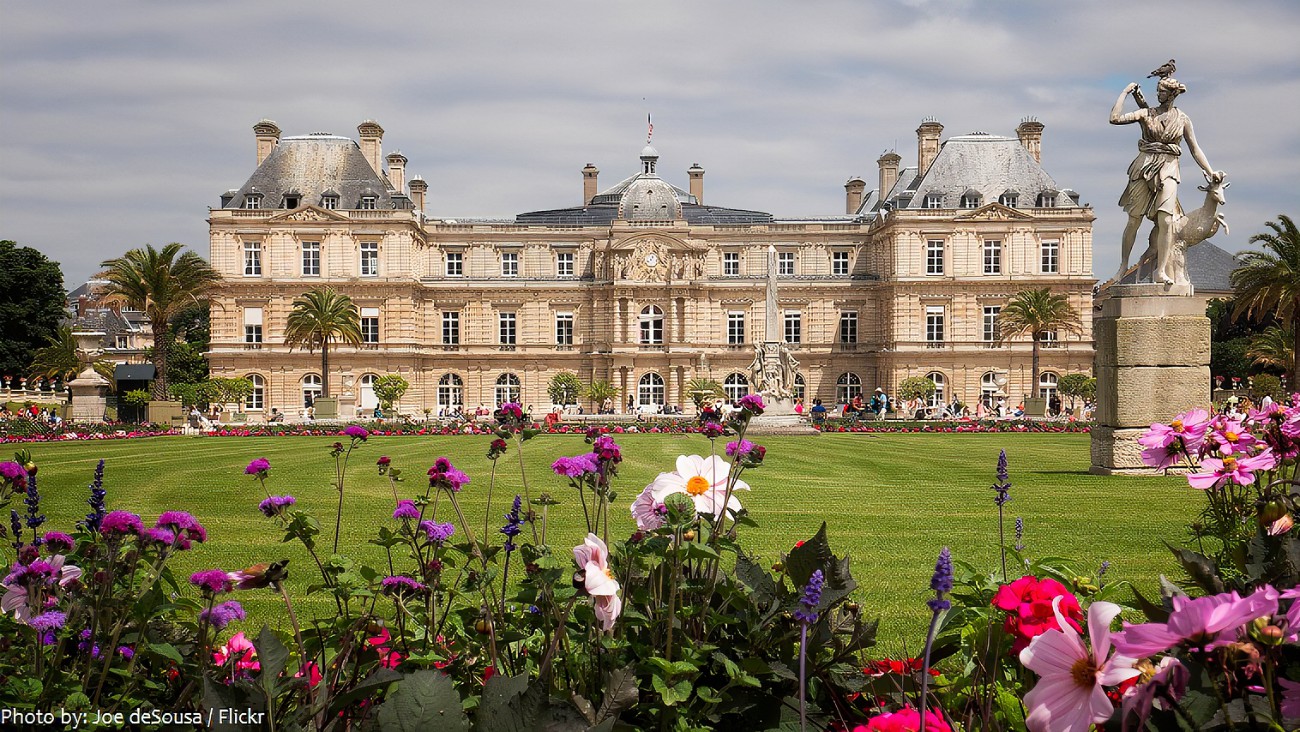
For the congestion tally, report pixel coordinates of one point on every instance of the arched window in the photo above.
(368, 401)
(311, 389)
(735, 386)
(652, 325)
(989, 388)
(847, 387)
(257, 397)
(800, 386)
(650, 390)
(508, 389)
(450, 393)
(1047, 384)
(940, 382)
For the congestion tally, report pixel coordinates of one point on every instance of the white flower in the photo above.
(704, 479)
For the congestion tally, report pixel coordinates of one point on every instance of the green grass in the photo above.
(891, 501)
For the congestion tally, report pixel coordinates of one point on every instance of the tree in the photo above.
(600, 390)
(1273, 349)
(564, 388)
(159, 282)
(318, 317)
(58, 359)
(916, 387)
(32, 302)
(389, 390)
(704, 390)
(1268, 282)
(1077, 386)
(1033, 312)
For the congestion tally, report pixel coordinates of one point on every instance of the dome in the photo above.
(649, 199)
(649, 152)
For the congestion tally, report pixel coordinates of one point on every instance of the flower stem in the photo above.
(925, 667)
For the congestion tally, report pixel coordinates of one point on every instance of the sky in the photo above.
(123, 122)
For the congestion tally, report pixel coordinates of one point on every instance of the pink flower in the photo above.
(592, 557)
(1240, 469)
(1189, 427)
(1169, 683)
(906, 719)
(240, 649)
(645, 511)
(1231, 436)
(312, 673)
(388, 658)
(1031, 612)
(1069, 694)
(704, 479)
(1198, 621)
(1290, 698)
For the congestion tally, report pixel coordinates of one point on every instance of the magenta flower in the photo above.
(1199, 622)
(400, 585)
(14, 474)
(158, 535)
(356, 432)
(752, 403)
(576, 466)
(212, 581)
(438, 533)
(1231, 436)
(183, 524)
(258, 467)
(1238, 469)
(275, 505)
(445, 475)
(120, 523)
(58, 542)
(406, 509)
(1069, 693)
(712, 430)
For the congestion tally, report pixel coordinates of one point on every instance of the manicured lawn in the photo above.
(891, 501)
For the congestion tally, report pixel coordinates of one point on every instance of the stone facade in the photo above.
(643, 285)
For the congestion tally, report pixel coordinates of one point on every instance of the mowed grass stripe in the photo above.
(891, 501)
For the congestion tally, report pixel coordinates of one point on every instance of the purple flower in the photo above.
(58, 542)
(513, 522)
(1003, 486)
(258, 467)
(576, 466)
(33, 502)
(406, 509)
(812, 596)
(48, 622)
(606, 450)
(1105, 567)
(126, 652)
(274, 505)
(223, 614)
(712, 430)
(120, 523)
(356, 432)
(752, 403)
(212, 581)
(183, 523)
(444, 475)
(438, 533)
(86, 645)
(158, 535)
(510, 411)
(399, 585)
(14, 474)
(96, 500)
(941, 582)
(1020, 534)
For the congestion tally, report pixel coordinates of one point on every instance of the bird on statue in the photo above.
(1164, 72)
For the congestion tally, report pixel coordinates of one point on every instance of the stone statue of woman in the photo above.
(1153, 176)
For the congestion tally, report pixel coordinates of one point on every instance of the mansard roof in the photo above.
(310, 166)
(988, 164)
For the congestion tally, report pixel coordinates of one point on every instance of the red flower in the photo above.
(1028, 603)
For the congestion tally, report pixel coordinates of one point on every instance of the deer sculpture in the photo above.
(1190, 228)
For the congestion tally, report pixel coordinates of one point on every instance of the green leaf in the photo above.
(365, 688)
(813, 555)
(762, 584)
(1200, 569)
(273, 656)
(621, 692)
(510, 704)
(423, 700)
(168, 651)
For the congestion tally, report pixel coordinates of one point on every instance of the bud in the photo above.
(483, 626)
(689, 536)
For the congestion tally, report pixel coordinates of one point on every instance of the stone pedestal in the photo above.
(1152, 363)
(779, 418)
(89, 396)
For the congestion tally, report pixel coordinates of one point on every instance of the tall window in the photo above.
(507, 329)
(735, 386)
(252, 259)
(650, 390)
(937, 398)
(311, 259)
(450, 328)
(369, 258)
(564, 264)
(652, 325)
(311, 389)
(992, 257)
(455, 264)
(785, 264)
(989, 388)
(257, 397)
(800, 386)
(509, 264)
(508, 389)
(849, 326)
(793, 328)
(934, 324)
(1049, 339)
(991, 323)
(450, 393)
(252, 325)
(369, 325)
(1047, 385)
(564, 329)
(367, 203)
(1051, 257)
(731, 264)
(934, 257)
(839, 263)
(735, 329)
(847, 387)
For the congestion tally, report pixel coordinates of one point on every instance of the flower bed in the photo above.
(26, 430)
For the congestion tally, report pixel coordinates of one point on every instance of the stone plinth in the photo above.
(1152, 363)
(779, 418)
(89, 396)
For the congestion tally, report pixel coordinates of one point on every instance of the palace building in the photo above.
(645, 284)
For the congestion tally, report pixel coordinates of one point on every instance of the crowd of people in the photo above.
(33, 412)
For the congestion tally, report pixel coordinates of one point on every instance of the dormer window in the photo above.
(1047, 199)
(367, 203)
(1010, 199)
(292, 200)
(970, 199)
(329, 202)
(934, 200)
(253, 200)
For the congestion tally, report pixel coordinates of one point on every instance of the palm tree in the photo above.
(58, 360)
(1273, 348)
(318, 317)
(158, 282)
(1034, 312)
(1268, 283)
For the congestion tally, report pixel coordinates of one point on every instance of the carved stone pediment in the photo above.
(308, 214)
(994, 212)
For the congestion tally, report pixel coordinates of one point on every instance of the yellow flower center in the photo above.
(697, 485)
(1177, 424)
(1084, 672)
(1230, 463)
(609, 573)
(1230, 436)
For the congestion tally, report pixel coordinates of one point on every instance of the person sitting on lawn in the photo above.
(275, 416)
(818, 412)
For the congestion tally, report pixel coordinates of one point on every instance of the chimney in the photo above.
(888, 163)
(371, 137)
(1030, 133)
(696, 174)
(268, 136)
(927, 144)
(397, 171)
(418, 189)
(853, 194)
(589, 188)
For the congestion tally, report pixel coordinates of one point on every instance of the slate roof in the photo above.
(310, 165)
(1209, 267)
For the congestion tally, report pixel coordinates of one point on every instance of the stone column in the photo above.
(1152, 363)
(89, 389)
